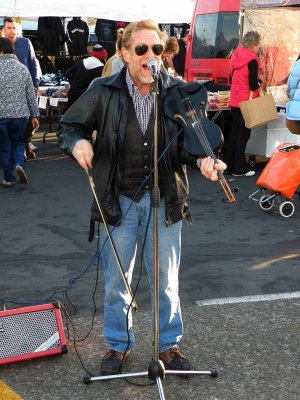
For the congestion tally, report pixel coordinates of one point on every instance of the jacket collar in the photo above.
(165, 81)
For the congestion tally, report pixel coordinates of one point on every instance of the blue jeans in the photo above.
(116, 298)
(12, 132)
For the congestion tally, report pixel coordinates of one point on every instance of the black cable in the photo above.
(65, 295)
(95, 307)
(74, 340)
(93, 297)
(72, 280)
(68, 319)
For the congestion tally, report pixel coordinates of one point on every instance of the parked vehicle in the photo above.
(217, 26)
(214, 34)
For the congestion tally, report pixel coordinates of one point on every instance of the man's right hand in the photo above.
(83, 152)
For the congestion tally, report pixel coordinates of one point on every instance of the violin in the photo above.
(202, 136)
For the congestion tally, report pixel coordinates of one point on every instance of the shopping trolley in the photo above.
(279, 180)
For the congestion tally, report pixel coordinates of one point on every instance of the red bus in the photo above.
(214, 34)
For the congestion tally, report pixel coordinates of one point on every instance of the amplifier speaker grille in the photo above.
(31, 332)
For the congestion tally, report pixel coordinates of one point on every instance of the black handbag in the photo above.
(293, 126)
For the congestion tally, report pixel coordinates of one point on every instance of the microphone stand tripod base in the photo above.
(156, 372)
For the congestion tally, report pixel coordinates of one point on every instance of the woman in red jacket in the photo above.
(244, 78)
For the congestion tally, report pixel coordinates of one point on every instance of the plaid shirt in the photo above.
(142, 104)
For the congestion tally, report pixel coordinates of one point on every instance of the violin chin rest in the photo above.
(192, 87)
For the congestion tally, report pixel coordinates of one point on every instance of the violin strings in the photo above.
(203, 139)
(199, 129)
(207, 147)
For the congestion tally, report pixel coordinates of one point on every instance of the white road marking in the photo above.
(249, 299)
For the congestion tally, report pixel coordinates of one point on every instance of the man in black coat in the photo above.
(120, 109)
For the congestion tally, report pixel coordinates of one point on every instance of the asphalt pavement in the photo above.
(239, 278)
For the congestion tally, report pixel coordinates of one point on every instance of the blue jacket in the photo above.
(25, 53)
(293, 93)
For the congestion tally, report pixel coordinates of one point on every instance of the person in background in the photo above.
(244, 66)
(82, 73)
(293, 93)
(1, 35)
(117, 63)
(284, 81)
(120, 32)
(17, 103)
(120, 159)
(106, 32)
(170, 50)
(107, 70)
(178, 61)
(26, 55)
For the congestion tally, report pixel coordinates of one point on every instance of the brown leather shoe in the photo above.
(173, 359)
(112, 362)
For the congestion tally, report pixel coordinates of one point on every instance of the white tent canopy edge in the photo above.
(162, 11)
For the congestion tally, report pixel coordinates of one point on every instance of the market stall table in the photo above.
(50, 102)
(264, 140)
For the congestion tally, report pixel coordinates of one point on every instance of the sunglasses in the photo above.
(142, 49)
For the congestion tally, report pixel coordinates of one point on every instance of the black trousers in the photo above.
(28, 132)
(235, 145)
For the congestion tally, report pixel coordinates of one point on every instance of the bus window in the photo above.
(215, 35)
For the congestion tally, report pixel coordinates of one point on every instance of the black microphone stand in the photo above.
(156, 370)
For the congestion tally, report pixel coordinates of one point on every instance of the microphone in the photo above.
(152, 65)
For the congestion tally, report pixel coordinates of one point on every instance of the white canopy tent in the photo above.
(268, 3)
(162, 11)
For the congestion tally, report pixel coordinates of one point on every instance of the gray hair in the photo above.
(250, 39)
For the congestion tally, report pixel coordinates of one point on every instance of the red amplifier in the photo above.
(31, 332)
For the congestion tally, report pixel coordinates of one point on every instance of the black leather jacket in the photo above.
(103, 107)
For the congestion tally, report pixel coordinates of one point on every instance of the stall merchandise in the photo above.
(51, 35)
(77, 37)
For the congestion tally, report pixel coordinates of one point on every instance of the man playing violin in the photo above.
(120, 109)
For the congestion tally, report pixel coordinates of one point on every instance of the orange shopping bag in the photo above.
(282, 172)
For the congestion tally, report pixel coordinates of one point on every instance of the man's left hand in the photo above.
(209, 168)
